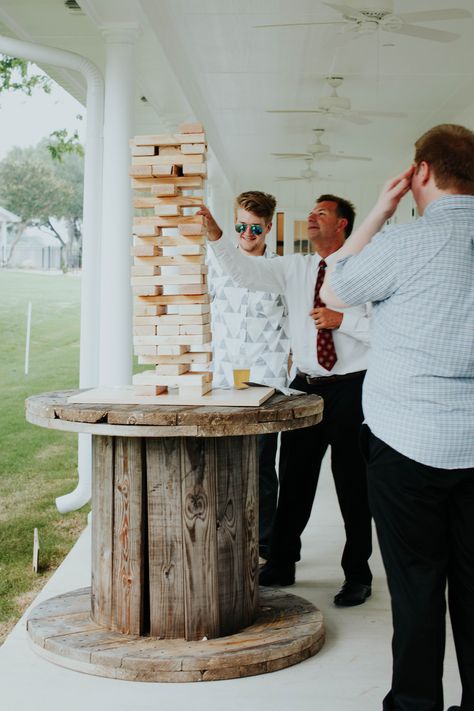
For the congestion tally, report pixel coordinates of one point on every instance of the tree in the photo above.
(37, 189)
(17, 75)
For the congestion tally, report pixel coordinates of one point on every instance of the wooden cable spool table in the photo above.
(174, 590)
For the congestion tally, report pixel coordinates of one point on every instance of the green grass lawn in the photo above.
(36, 464)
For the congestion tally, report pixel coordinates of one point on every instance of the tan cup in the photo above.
(241, 376)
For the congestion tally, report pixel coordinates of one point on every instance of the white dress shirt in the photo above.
(294, 276)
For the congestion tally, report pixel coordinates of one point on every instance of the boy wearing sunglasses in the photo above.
(250, 327)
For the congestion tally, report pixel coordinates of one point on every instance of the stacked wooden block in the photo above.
(171, 326)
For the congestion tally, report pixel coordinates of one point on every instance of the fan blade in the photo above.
(423, 33)
(352, 117)
(280, 180)
(346, 10)
(427, 15)
(296, 111)
(300, 24)
(292, 155)
(338, 156)
(385, 114)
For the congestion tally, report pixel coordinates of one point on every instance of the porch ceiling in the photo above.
(208, 59)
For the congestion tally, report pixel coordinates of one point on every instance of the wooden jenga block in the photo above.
(168, 210)
(164, 190)
(171, 351)
(172, 369)
(140, 171)
(194, 329)
(181, 200)
(163, 160)
(191, 128)
(184, 289)
(193, 348)
(145, 250)
(188, 182)
(143, 150)
(144, 270)
(189, 249)
(172, 279)
(191, 138)
(161, 169)
(167, 329)
(143, 309)
(145, 351)
(200, 169)
(169, 221)
(180, 299)
(193, 148)
(146, 240)
(144, 330)
(197, 260)
(144, 290)
(188, 230)
(190, 309)
(201, 360)
(173, 340)
(169, 139)
(150, 390)
(185, 269)
(175, 319)
(169, 150)
(184, 319)
(150, 377)
(146, 230)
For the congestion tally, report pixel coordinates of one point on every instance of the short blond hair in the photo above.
(260, 204)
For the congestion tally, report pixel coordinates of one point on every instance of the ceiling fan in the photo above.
(307, 174)
(320, 151)
(336, 106)
(363, 17)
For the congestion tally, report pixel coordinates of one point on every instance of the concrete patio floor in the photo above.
(350, 673)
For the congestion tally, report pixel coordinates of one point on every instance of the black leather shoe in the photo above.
(352, 594)
(277, 575)
(454, 708)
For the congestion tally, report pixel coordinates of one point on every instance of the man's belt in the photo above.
(328, 378)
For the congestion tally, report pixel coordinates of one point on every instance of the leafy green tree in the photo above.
(17, 75)
(38, 189)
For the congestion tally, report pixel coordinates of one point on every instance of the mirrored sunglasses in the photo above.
(256, 230)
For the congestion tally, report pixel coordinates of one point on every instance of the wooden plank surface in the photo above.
(128, 593)
(198, 496)
(102, 529)
(286, 631)
(165, 535)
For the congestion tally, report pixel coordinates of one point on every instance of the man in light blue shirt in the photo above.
(418, 404)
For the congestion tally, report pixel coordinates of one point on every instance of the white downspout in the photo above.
(89, 339)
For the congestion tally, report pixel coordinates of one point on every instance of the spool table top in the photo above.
(279, 413)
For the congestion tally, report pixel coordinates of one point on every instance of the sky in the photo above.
(25, 120)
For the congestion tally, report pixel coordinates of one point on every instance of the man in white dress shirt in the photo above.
(250, 330)
(329, 348)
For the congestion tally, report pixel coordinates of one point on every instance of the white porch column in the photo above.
(115, 344)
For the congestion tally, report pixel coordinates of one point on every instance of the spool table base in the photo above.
(288, 630)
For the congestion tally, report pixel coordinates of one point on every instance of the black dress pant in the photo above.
(425, 526)
(267, 489)
(301, 455)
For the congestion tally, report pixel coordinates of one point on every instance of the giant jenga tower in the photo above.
(171, 324)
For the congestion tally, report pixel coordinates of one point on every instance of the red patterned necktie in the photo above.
(326, 353)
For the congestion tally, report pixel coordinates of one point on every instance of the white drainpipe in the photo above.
(89, 343)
